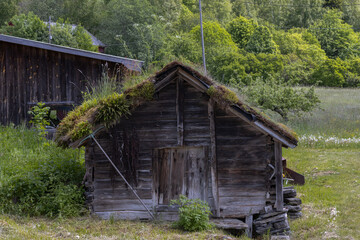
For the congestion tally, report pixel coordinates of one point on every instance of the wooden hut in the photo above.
(193, 138)
(32, 72)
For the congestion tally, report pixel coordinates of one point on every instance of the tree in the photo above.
(261, 41)
(333, 4)
(278, 96)
(331, 73)
(27, 26)
(337, 38)
(8, 9)
(303, 13)
(31, 27)
(241, 30)
(219, 11)
(88, 13)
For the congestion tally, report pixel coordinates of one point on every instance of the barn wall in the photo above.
(29, 74)
(155, 126)
(242, 156)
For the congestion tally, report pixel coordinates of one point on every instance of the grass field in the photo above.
(328, 155)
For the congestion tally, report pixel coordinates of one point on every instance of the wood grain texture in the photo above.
(187, 145)
(29, 74)
(279, 204)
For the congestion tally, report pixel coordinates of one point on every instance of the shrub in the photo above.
(261, 41)
(193, 214)
(331, 73)
(38, 178)
(278, 96)
(241, 30)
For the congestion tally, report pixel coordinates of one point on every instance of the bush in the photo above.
(331, 73)
(278, 96)
(241, 30)
(193, 214)
(261, 41)
(38, 178)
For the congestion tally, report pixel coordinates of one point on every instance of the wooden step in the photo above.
(229, 223)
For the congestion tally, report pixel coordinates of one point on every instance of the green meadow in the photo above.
(328, 155)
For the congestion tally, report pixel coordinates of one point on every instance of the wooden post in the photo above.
(249, 222)
(279, 204)
(180, 110)
(213, 162)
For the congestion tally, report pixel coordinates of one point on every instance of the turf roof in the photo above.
(87, 117)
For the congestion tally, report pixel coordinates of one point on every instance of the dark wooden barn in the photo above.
(194, 138)
(32, 72)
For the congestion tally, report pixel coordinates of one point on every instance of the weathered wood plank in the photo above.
(180, 111)
(120, 205)
(213, 159)
(249, 223)
(229, 224)
(279, 204)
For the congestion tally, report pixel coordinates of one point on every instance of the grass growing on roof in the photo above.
(222, 95)
(106, 110)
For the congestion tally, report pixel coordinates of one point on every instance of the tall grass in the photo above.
(37, 177)
(338, 115)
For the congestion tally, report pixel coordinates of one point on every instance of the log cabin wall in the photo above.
(180, 120)
(242, 155)
(29, 74)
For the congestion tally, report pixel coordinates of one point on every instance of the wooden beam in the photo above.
(249, 223)
(213, 161)
(180, 111)
(192, 80)
(279, 203)
(166, 81)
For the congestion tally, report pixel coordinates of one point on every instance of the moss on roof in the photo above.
(108, 111)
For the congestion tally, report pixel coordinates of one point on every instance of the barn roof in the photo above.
(90, 115)
(131, 64)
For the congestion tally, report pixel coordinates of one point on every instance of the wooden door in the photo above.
(179, 171)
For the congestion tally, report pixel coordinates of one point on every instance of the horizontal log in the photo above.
(228, 191)
(121, 205)
(239, 211)
(129, 215)
(121, 194)
(242, 201)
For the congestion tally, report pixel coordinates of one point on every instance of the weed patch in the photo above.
(37, 177)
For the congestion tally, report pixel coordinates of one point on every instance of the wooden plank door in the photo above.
(179, 171)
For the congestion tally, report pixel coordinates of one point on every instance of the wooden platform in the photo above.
(229, 223)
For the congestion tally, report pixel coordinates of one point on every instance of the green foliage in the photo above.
(7, 10)
(27, 26)
(31, 27)
(261, 41)
(193, 214)
(40, 116)
(142, 92)
(38, 178)
(215, 36)
(241, 30)
(222, 95)
(337, 38)
(219, 11)
(112, 108)
(333, 4)
(227, 67)
(262, 65)
(275, 95)
(331, 73)
(102, 88)
(80, 130)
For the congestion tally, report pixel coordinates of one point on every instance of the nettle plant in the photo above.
(193, 214)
